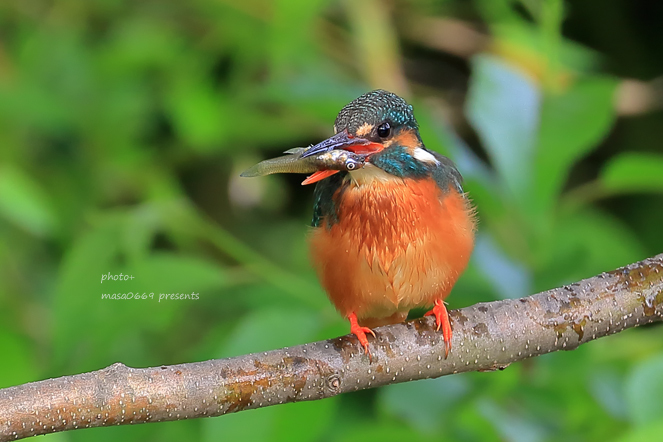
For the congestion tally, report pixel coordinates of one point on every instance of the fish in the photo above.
(322, 165)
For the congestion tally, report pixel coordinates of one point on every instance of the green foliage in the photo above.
(634, 172)
(124, 126)
(24, 203)
(503, 107)
(644, 388)
(572, 124)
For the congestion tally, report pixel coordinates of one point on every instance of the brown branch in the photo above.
(487, 336)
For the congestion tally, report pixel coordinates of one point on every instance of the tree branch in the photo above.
(487, 336)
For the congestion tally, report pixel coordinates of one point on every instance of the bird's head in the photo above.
(380, 125)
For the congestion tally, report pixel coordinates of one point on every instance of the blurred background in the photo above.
(124, 126)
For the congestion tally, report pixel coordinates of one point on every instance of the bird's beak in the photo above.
(345, 141)
(341, 140)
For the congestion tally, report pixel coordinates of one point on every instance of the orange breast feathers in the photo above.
(398, 244)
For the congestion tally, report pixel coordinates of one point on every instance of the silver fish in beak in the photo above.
(300, 160)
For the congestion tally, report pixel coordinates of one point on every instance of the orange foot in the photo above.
(360, 333)
(442, 320)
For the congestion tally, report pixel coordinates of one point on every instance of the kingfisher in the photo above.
(394, 234)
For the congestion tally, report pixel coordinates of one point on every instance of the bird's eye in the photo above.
(384, 130)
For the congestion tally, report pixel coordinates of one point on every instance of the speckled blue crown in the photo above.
(373, 108)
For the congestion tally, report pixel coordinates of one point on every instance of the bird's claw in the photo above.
(442, 320)
(360, 333)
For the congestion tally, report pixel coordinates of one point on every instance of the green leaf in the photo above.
(305, 421)
(634, 172)
(292, 23)
(527, 41)
(200, 114)
(583, 244)
(572, 124)
(425, 403)
(297, 422)
(386, 430)
(271, 328)
(171, 273)
(509, 278)
(644, 390)
(503, 106)
(24, 202)
(172, 283)
(79, 315)
(648, 433)
(513, 426)
(607, 388)
(19, 367)
(88, 325)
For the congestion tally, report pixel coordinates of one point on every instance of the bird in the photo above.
(395, 234)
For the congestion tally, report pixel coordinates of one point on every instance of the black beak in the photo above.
(339, 141)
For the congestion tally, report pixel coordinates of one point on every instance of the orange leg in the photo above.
(442, 320)
(360, 333)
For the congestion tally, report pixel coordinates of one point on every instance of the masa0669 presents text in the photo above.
(160, 297)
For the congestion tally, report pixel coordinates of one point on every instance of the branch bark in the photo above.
(487, 336)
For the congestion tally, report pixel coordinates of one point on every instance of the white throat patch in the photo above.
(368, 174)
